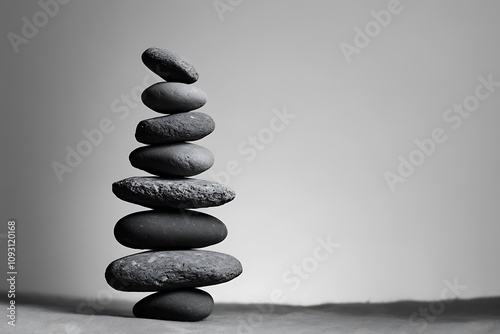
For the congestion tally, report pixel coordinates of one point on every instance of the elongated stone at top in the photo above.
(169, 66)
(161, 193)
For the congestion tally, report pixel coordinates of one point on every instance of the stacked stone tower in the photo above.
(172, 266)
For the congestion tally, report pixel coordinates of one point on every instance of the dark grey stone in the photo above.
(169, 66)
(173, 97)
(161, 193)
(176, 305)
(167, 270)
(167, 230)
(174, 128)
(176, 159)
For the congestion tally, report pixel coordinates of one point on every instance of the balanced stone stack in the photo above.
(171, 266)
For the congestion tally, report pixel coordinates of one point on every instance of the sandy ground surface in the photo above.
(57, 316)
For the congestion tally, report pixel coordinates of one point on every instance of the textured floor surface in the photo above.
(56, 316)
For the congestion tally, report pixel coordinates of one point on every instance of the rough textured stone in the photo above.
(177, 305)
(167, 270)
(173, 97)
(169, 66)
(166, 230)
(177, 159)
(161, 193)
(174, 128)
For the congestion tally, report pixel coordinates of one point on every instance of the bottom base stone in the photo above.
(178, 305)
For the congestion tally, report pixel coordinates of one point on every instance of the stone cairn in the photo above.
(169, 232)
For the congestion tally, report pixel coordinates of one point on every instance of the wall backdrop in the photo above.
(361, 138)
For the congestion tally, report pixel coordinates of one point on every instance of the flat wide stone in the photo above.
(167, 270)
(162, 193)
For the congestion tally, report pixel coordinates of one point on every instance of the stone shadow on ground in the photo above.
(456, 310)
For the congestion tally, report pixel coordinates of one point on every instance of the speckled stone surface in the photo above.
(180, 127)
(177, 305)
(169, 66)
(175, 229)
(176, 159)
(166, 270)
(173, 97)
(162, 193)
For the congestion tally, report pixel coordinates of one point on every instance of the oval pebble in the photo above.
(173, 97)
(177, 159)
(169, 66)
(162, 193)
(166, 270)
(176, 305)
(166, 230)
(174, 128)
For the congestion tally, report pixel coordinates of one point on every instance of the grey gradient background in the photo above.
(322, 175)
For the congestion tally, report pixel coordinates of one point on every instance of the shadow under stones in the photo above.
(122, 308)
(456, 310)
